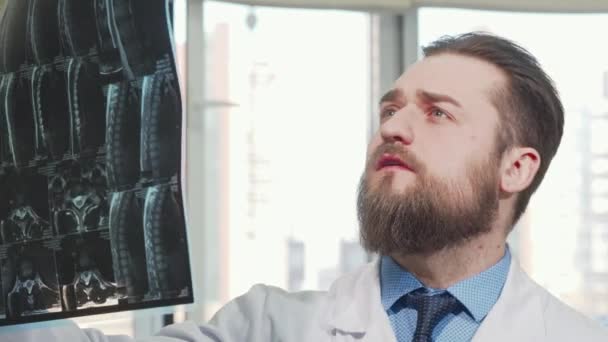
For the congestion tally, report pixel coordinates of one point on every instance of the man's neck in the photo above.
(444, 268)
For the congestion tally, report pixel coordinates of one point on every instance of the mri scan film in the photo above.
(91, 211)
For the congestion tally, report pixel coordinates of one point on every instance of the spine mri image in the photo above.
(91, 211)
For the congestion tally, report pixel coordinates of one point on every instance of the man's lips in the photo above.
(392, 161)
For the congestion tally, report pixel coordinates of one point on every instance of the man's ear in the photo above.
(519, 166)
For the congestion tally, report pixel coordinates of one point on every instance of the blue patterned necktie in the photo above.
(431, 310)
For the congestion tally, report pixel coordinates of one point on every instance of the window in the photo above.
(288, 97)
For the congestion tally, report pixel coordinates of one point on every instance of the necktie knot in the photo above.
(431, 310)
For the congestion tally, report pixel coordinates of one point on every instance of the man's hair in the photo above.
(531, 113)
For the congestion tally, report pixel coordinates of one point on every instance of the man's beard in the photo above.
(431, 214)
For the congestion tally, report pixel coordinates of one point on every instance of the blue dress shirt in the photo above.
(477, 294)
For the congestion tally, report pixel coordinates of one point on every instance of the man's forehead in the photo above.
(462, 77)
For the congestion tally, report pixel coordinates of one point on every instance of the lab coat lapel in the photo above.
(517, 315)
(354, 309)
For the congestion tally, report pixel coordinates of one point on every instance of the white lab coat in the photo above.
(351, 311)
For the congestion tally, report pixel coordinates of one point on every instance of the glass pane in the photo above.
(555, 240)
(288, 94)
(600, 166)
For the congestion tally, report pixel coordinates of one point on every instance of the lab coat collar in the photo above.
(354, 307)
(518, 315)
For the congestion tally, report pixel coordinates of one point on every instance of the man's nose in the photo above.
(399, 126)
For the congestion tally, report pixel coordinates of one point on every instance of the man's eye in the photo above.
(438, 113)
(387, 113)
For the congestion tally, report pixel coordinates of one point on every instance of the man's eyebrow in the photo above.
(396, 94)
(391, 95)
(436, 97)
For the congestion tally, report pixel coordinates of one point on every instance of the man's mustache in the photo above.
(400, 152)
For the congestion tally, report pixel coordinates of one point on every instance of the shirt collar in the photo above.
(478, 294)
(395, 282)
